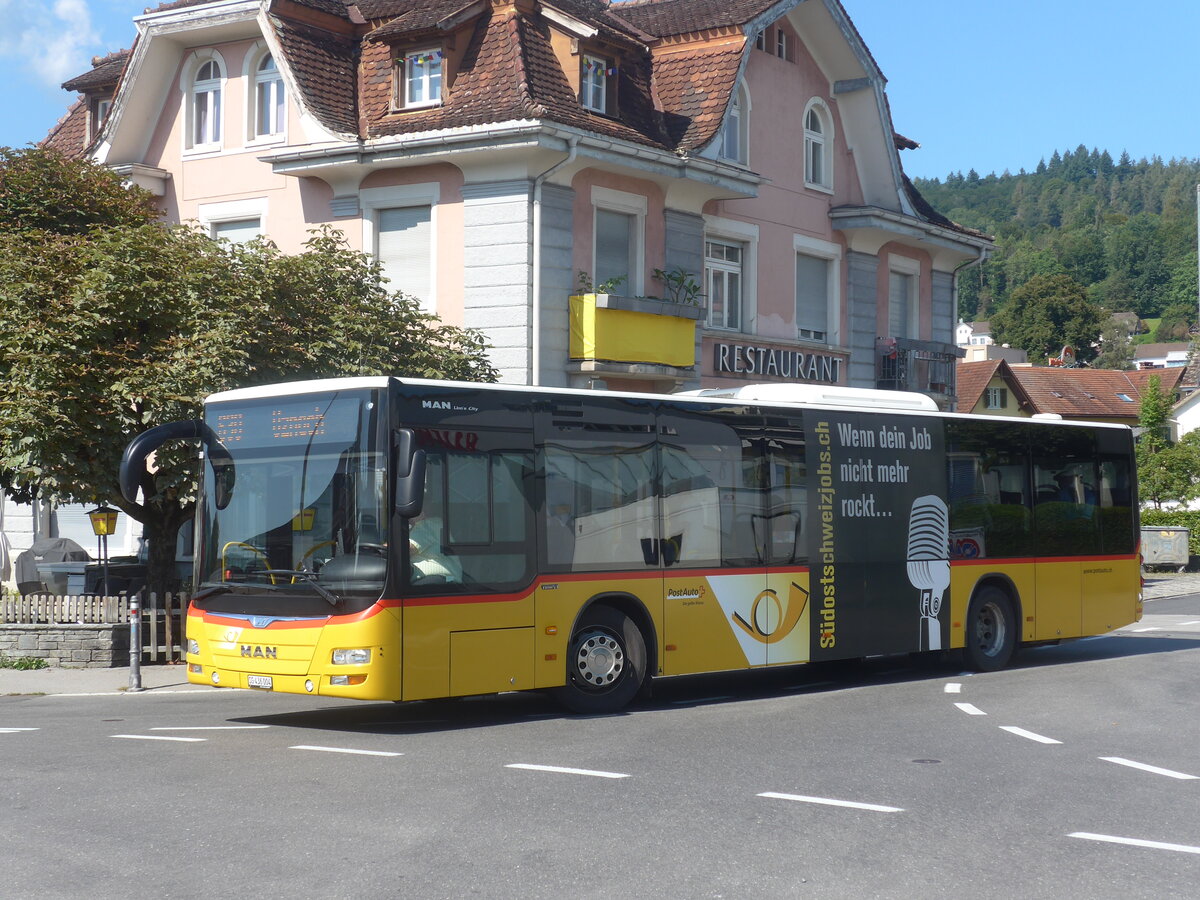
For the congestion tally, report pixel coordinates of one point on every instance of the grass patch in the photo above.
(24, 663)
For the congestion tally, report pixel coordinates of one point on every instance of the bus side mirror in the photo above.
(410, 474)
(133, 462)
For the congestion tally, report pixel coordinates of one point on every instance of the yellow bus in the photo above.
(396, 539)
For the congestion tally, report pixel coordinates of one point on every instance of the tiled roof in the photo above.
(972, 378)
(413, 15)
(694, 89)
(105, 72)
(69, 135)
(1156, 351)
(325, 67)
(1089, 393)
(672, 17)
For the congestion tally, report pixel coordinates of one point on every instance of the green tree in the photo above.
(1047, 313)
(1167, 473)
(1116, 348)
(109, 328)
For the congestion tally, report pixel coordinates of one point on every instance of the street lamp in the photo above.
(104, 523)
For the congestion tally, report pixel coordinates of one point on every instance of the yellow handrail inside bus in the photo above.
(245, 546)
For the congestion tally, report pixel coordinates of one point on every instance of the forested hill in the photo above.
(1120, 236)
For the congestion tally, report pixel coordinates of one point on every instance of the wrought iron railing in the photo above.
(905, 364)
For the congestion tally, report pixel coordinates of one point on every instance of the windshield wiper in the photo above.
(211, 591)
(309, 578)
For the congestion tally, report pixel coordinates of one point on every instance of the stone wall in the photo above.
(77, 646)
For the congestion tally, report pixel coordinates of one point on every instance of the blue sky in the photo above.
(989, 86)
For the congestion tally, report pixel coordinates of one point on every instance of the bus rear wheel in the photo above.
(991, 631)
(606, 662)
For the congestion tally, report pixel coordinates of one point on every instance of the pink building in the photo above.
(499, 156)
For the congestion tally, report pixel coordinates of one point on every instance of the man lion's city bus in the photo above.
(394, 539)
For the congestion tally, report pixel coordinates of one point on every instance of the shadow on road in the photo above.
(693, 691)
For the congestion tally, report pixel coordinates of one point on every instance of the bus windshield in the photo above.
(294, 521)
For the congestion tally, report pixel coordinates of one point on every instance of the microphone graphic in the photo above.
(929, 563)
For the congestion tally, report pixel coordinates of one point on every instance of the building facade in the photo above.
(732, 166)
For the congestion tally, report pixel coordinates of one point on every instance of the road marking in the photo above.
(1145, 768)
(565, 771)
(345, 750)
(157, 737)
(970, 709)
(16, 730)
(1134, 842)
(209, 727)
(1194, 622)
(953, 688)
(1143, 630)
(1021, 732)
(825, 801)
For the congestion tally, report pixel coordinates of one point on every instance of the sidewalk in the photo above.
(1170, 584)
(92, 681)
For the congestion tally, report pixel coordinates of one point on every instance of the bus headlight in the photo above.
(355, 657)
(193, 646)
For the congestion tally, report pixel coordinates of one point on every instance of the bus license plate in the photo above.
(259, 681)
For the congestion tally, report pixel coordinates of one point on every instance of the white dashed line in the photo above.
(158, 737)
(1193, 622)
(825, 801)
(16, 730)
(1144, 630)
(345, 750)
(1134, 842)
(970, 709)
(953, 688)
(208, 727)
(1145, 768)
(1021, 732)
(565, 771)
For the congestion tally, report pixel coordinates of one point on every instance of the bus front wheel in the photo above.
(606, 662)
(991, 631)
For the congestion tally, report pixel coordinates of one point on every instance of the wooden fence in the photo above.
(162, 619)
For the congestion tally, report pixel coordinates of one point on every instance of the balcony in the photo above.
(646, 336)
(927, 367)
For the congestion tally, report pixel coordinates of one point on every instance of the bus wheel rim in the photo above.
(990, 629)
(599, 659)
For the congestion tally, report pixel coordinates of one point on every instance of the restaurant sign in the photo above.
(775, 362)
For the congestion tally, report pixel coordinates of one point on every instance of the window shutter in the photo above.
(405, 248)
(812, 296)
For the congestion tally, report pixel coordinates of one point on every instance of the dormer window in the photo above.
(593, 82)
(97, 111)
(268, 98)
(422, 74)
(206, 105)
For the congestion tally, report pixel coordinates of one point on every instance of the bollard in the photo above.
(135, 645)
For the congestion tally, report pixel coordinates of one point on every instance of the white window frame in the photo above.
(781, 43)
(995, 398)
(187, 85)
(593, 91)
(211, 214)
(745, 233)
(408, 77)
(635, 205)
(737, 126)
(906, 265)
(823, 139)
(372, 200)
(253, 79)
(802, 243)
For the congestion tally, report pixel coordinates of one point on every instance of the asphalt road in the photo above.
(1073, 774)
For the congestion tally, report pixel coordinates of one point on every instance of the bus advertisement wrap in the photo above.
(877, 527)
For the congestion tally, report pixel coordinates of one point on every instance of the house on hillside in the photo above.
(994, 387)
(1161, 356)
(490, 152)
(973, 334)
